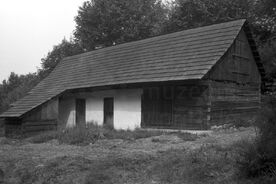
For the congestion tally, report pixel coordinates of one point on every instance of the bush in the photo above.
(259, 158)
(90, 134)
(75, 136)
(80, 135)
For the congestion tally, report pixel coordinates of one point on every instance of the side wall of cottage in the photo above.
(235, 84)
(127, 108)
(41, 118)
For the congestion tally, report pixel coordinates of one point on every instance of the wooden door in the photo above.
(108, 112)
(80, 112)
(156, 108)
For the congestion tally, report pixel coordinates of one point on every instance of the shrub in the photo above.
(259, 158)
(90, 134)
(85, 135)
(75, 136)
(80, 135)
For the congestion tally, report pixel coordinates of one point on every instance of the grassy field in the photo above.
(124, 157)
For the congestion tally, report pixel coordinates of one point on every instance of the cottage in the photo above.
(191, 79)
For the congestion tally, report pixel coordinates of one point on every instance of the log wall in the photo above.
(13, 126)
(176, 106)
(46, 111)
(32, 127)
(232, 101)
(42, 118)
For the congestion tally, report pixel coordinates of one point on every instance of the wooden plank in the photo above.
(38, 128)
(40, 123)
(231, 101)
(164, 107)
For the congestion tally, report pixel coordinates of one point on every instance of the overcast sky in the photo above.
(29, 29)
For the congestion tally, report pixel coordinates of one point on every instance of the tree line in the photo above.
(103, 23)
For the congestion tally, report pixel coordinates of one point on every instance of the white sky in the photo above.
(29, 29)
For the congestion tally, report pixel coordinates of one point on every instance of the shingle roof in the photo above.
(188, 54)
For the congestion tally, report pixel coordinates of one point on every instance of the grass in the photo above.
(92, 133)
(208, 164)
(77, 169)
(185, 136)
(211, 164)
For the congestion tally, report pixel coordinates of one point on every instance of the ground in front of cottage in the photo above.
(166, 158)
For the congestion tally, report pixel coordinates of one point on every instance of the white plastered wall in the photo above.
(127, 108)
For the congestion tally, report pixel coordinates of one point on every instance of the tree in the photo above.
(188, 14)
(268, 56)
(60, 51)
(109, 22)
(266, 14)
(265, 34)
(15, 88)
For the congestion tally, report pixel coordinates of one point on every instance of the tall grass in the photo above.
(90, 134)
(209, 164)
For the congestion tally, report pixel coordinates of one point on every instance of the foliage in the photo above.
(188, 14)
(60, 51)
(268, 57)
(108, 22)
(265, 19)
(15, 88)
(90, 134)
(259, 157)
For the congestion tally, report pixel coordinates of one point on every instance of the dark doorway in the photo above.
(157, 108)
(108, 112)
(80, 112)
